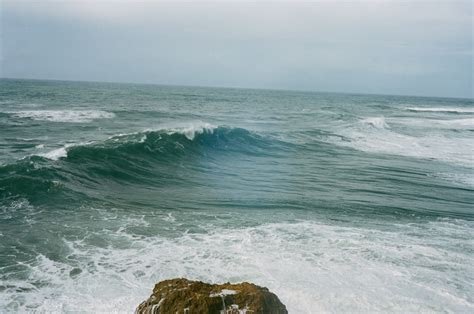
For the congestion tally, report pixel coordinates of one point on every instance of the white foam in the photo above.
(8, 211)
(442, 109)
(64, 115)
(55, 154)
(375, 135)
(188, 129)
(193, 129)
(61, 152)
(457, 124)
(313, 267)
(377, 122)
(223, 293)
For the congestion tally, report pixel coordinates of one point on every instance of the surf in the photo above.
(441, 109)
(71, 116)
(142, 158)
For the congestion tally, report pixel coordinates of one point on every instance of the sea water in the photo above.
(335, 202)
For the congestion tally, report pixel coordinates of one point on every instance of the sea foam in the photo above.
(442, 109)
(455, 124)
(377, 122)
(192, 129)
(374, 134)
(75, 116)
(312, 267)
(55, 154)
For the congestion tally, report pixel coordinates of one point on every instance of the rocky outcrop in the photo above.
(196, 297)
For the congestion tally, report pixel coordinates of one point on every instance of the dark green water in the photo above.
(335, 202)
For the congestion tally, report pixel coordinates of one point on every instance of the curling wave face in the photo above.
(144, 158)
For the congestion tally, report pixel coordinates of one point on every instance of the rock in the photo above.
(196, 297)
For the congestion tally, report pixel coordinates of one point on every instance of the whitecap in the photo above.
(377, 122)
(60, 152)
(374, 135)
(190, 131)
(63, 115)
(442, 109)
(467, 123)
(55, 154)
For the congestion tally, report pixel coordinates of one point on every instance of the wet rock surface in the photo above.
(186, 296)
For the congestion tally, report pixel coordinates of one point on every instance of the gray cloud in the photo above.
(396, 47)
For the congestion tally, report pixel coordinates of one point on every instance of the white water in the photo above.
(74, 116)
(190, 130)
(374, 134)
(454, 124)
(313, 267)
(442, 109)
(55, 154)
(60, 152)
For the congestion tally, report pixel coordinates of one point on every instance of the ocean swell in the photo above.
(159, 143)
(143, 158)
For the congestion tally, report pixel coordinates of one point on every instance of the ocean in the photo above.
(335, 202)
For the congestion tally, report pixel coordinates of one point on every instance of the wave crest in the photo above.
(159, 142)
(151, 157)
(194, 129)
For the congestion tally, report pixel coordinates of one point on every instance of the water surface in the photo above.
(335, 202)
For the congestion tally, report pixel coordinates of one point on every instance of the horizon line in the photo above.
(236, 87)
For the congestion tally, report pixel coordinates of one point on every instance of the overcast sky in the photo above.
(388, 47)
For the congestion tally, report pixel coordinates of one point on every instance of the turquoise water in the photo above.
(335, 202)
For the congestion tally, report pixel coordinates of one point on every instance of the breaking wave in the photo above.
(375, 135)
(159, 143)
(441, 109)
(377, 122)
(75, 116)
(148, 157)
(454, 124)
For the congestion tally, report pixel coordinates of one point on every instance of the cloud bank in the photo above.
(391, 47)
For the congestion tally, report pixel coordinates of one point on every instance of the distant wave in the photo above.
(467, 123)
(442, 109)
(75, 116)
(373, 134)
